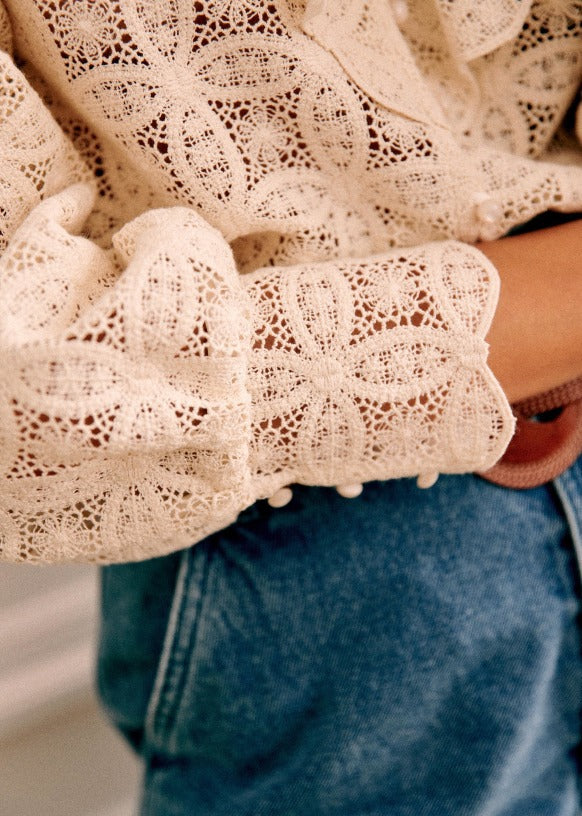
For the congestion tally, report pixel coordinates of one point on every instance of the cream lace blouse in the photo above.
(236, 253)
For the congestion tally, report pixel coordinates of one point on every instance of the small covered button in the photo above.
(427, 479)
(350, 491)
(282, 497)
(487, 209)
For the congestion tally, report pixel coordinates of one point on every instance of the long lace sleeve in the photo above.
(150, 393)
(264, 331)
(125, 416)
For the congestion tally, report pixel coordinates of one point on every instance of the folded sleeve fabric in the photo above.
(228, 267)
(143, 411)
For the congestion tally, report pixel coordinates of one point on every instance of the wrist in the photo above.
(536, 333)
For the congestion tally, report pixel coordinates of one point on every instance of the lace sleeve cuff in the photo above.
(375, 369)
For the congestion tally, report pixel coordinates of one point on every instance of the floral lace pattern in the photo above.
(123, 395)
(88, 29)
(343, 379)
(27, 176)
(159, 380)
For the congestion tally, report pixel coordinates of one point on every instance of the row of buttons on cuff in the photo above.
(489, 213)
(349, 491)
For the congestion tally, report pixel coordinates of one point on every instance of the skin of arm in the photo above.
(535, 339)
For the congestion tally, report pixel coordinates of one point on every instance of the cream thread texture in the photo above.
(236, 250)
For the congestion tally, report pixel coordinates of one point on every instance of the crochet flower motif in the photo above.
(165, 107)
(265, 136)
(86, 27)
(150, 372)
(353, 351)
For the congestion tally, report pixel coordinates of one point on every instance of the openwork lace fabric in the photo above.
(236, 250)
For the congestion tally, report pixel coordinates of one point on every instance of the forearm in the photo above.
(536, 335)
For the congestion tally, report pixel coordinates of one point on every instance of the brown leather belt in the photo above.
(541, 450)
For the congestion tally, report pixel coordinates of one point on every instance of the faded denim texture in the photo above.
(407, 652)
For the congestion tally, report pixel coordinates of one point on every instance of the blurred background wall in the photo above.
(58, 755)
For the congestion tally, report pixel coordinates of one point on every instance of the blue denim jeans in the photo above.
(407, 652)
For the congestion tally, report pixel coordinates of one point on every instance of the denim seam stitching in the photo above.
(567, 488)
(189, 646)
(163, 697)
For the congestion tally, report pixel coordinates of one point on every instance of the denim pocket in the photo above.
(185, 623)
(135, 603)
(241, 656)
